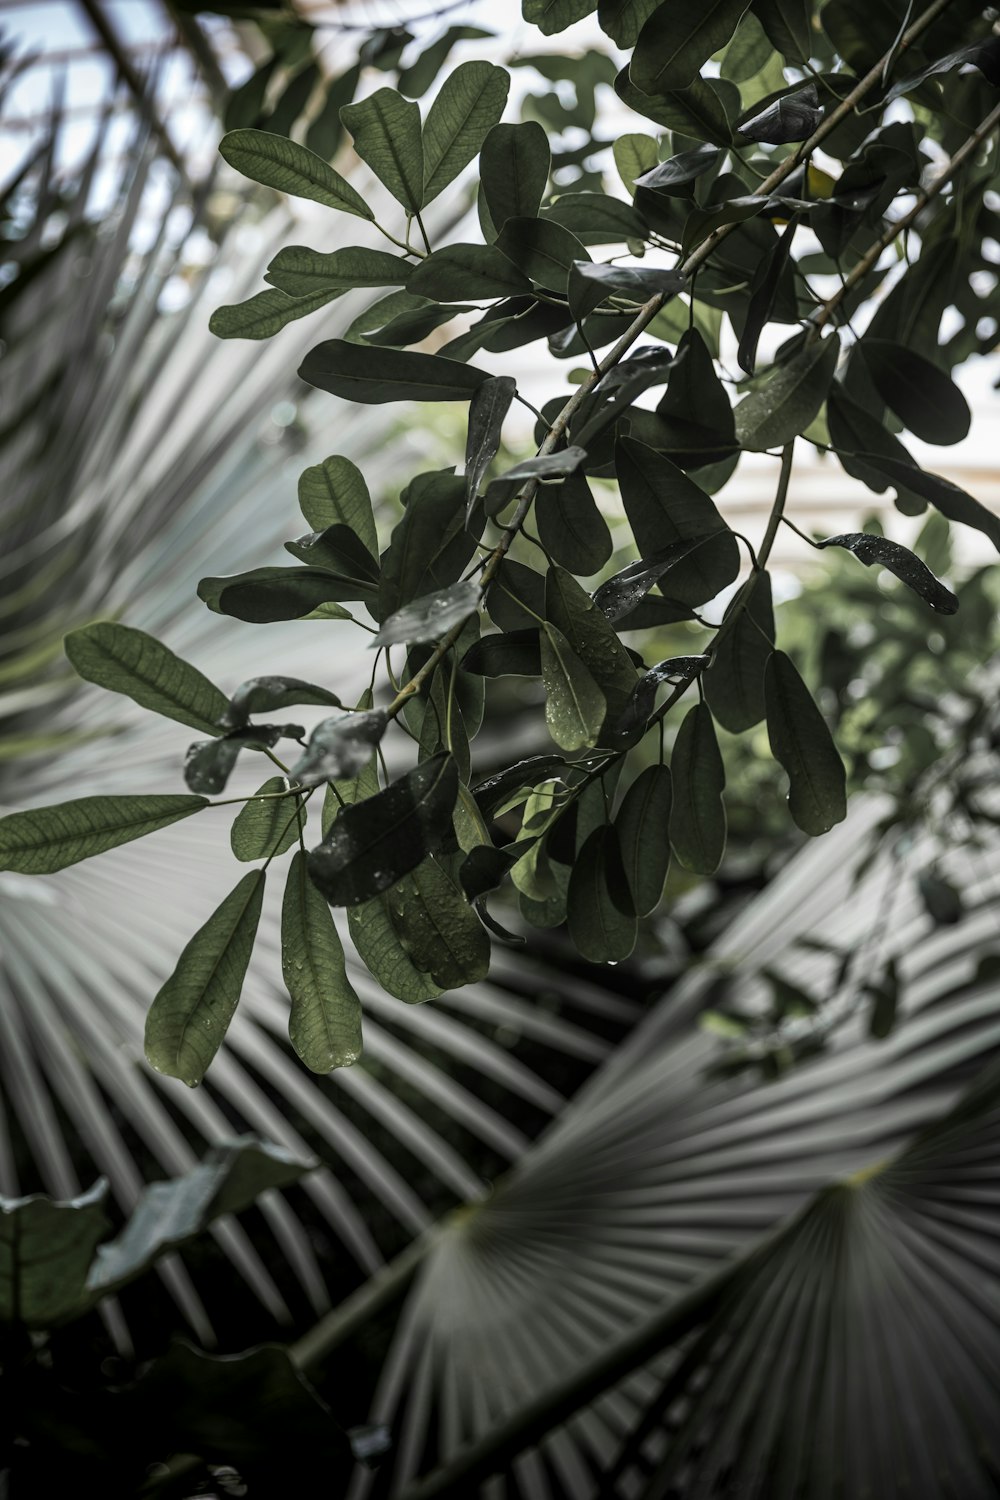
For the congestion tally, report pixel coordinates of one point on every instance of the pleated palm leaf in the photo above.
(634, 1223)
(140, 455)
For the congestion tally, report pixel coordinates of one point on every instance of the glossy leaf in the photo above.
(619, 595)
(45, 839)
(677, 39)
(467, 106)
(788, 397)
(642, 823)
(592, 638)
(879, 551)
(191, 1013)
(438, 929)
(514, 169)
(339, 747)
(673, 670)
(124, 660)
(734, 683)
(302, 272)
(461, 271)
(431, 616)
(948, 498)
(591, 284)
(574, 704)
(264, 315)
(793, 117)
(543, 250)
(209, 763)
(546, 467)
(282, 164)
(697, 813)
(266, 594)
(382, 953)
(494, 791)
(375, 843)
(325, 1022)
(802, 743)
(386, 131)
(598, 890)
(335, 493)
(374, 376)
(265, 827)
(679, 173)
(921, 395)
(262, 695)
(487, 410)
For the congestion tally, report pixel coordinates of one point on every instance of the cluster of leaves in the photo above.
(729, 217)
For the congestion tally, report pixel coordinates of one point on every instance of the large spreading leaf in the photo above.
(190, 1015)
(386, 131)
(465, 109)
(373, 376)
(129, 661)
(45, 839)
(301, 272)
(325, 1022)
(280, 163)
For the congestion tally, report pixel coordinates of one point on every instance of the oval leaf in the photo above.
(643, 822)
(456, 272)
(788, 398)
(598, 889)
(129, 661)
(266, 827)
(334, 493)
(325, 1022)
(921, 395)
(301, 272)
(262, 695)
(45, 839)
(374, 376)
(431, 616)
(440, 933)
(267, 594)
(264, 315)
(468, 105)
(282, 164)
(802, 743)
(386, 131)
(678, 39)
(697, 814)
(514, 170)
(383, 954)
(734, 683)
(574, 704)
(189, 1018)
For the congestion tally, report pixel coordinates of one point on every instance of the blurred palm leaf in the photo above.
(141, 454)
(660, 1176)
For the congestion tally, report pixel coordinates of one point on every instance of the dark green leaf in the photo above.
(793, 117)
(880, 552)
(788, 24)
(438, 929)
(189, 1018)
(303, 273)
(264, 315)
(386, 131)
(262, 695)
(339, 551)
(414, 325)
(487, 410)
(263, 828)
(209, 763)
(515, 653)
(375, 843)
(516, 599)
(983, 54)
(543, 250)
(703, 111)
(697, 813)
(598, 890)
(46, 1250)
(551, 16)
(619, 595)
(495, 790)
(547, 466)
(244, 104)
(45, 839)
(431, 616)
(484, 867)
(570, 527)
(695, 414)
(279, 163)
(764, 291)
(946, 497)
(677, 39)
(335, 493)
(468, 105)
(788, 397)
(129, 661)
(622, 20)
(475, 271)
(921, 395)
(597, 219)
(339, 747)
(514, 169)
(748, 53)
(677, 174)
(590, 284)
(885, 997)
(734, 684)
(418, 77)
(430, 546)
(325, 1022)
(574, 704)
(675, 670)
(383, 954)
(802, 743)
(266, 594)
(643, 822)
(591, 637)
(373, 376)
(943, 903)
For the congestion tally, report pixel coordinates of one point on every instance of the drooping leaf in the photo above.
(266, 827)
(487, 410)
(678, 173)
(431, 616)
(514, 168)
(191, 1013)
(643, 822)
(551, 16)
(793, 117)
(591, 637)
(788, 25)
(983, 54)
(339, 747)
(591, 284)
(45, 839)
(375, 843)
(302, 272)
(541, 249)
(462, 271)
(574, 704)
(673, 670)
(802, 743)
(788, 397)
(386, 132)
(267, 594)
(765, 289)
(440, 932)
(570, 526)
(262, 695)
(484, 867)
(546, 466)
(921, 395)
(129, 661)
(619, 595)
(282, 164)
(676, 40)
(468, 105)
(948, 498)
(696, 418)
(264, 315)
(209, 763)
(335, 493)
(598, 891)
(383, 954)
(374, 376)
(734, 683)
(697, 812)
(704, 110)
(325, 1022)
(879, 551)
(495, 790)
